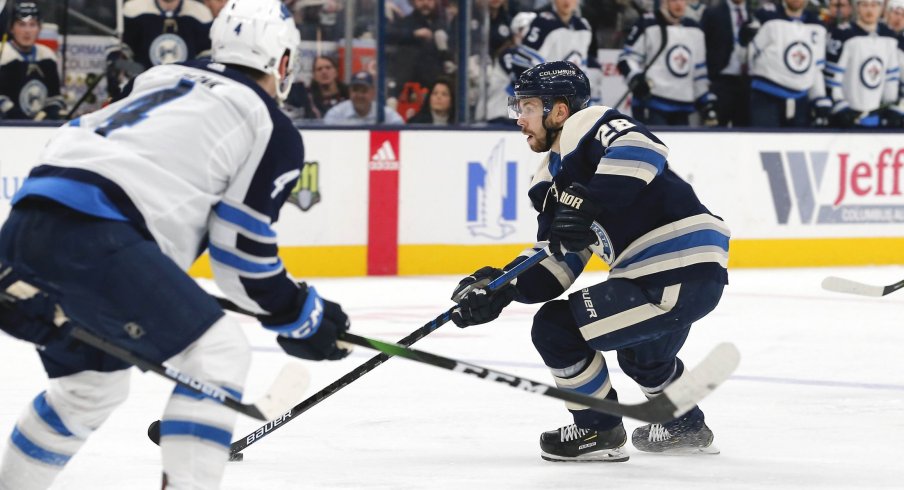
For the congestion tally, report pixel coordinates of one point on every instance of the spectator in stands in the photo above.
(361, 107)
(440, 107)
(166, 31)
(421, 46)
(838, 12)
(29, 80)
(320, 20)
(326, 88)
(215, 6)
(894, 16)
(726, 61)
(298, 104)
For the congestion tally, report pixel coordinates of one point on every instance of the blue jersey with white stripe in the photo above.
(199, 157)
(862, 68)
(657, 229)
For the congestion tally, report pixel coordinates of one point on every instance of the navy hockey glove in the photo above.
(312, 329)
(476, 304)
(570, 230)
(640, 89)
(26, 312)
(821, 111)
(6, 105)
(747, 32)
(708, 113)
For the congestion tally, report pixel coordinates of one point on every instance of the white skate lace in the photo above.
(658, 433)
(572, 432)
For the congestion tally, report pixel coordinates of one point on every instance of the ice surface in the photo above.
(818, 400)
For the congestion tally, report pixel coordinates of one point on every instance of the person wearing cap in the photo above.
(361, 107)
(29, 80)
(894, 16)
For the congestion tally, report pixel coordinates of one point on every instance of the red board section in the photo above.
(383, 205)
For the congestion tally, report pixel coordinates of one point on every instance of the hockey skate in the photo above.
(687, 434)
(573, 444)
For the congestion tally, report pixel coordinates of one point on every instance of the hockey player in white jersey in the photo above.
(197, 157)
(862, 71)
(786, 55)
(664, 64)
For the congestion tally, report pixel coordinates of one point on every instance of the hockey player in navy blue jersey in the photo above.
(166, 31)
(29, 81)
(605, 187)
(198, 157)
(668, 81)
(863, 72)
(786, 54)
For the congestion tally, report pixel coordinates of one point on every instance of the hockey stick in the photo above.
(664, 33)
(676, 400)
(841, 285)
(239, 445)
(294, 378)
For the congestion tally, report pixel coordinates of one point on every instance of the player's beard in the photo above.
(541, 143)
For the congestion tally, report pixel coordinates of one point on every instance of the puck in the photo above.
(154, 432)
(237, 457)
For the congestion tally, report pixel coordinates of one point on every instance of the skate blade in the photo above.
(610, 456)
(686, 451)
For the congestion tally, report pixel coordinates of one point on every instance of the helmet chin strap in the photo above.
(551, 133)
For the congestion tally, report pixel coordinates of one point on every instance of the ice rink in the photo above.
(817, 402)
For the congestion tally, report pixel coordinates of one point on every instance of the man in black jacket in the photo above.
(725, 61)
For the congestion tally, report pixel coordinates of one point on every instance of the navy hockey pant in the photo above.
(645, 325)
(111, 279)
(770, 111)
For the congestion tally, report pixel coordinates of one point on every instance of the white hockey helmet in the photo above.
(256, 34)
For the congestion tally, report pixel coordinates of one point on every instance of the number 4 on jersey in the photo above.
(137, 111)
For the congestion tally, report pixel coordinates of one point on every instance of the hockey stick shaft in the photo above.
(842, 285)
(167, 372)
(676, 401)
(240, 444)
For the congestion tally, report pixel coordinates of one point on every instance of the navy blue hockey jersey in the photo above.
(30, 80)
(158, 37)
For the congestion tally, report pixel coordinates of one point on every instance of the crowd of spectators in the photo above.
(727, 70)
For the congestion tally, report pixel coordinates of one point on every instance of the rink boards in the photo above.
(443, 202)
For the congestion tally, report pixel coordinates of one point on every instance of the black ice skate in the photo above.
(574, 444)
(685, 435)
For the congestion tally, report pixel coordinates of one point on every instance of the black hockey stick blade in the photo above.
(676, 400)
(288, 386)
(842, 285)
(277, 422)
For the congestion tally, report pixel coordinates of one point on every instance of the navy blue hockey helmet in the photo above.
(550, 81)
(26, 10)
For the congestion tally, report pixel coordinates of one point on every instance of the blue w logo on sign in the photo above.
(492, 195)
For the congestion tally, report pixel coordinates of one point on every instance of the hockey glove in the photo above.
(748, 32)
(570, 230)
(312, 329)
(821, 112)
(708, 114)
(640, 89)
(476, 304)
(26, 312)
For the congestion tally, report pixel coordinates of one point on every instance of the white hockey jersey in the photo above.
(862, 68)
(678, 75)
(557, 41)
(787, 55)
(199, 157)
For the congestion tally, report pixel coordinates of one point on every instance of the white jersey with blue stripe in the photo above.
(862, 68)
(555, 40)
(679, 73)
(787, 55)
(198, 156)
(654, 227)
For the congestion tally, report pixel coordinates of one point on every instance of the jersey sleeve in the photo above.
(551, 277)
(634, 54)
(818, 89)
(834, 70)
(242, 243)
(890, 92)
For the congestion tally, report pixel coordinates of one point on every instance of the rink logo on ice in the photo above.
(492, 195)
(861, 191)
